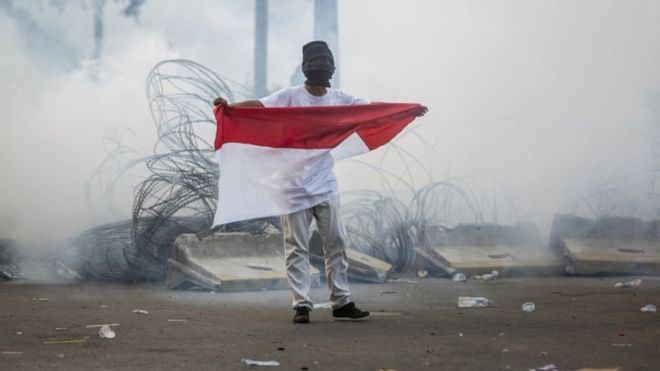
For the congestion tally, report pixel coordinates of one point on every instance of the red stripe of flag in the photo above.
(312, 127)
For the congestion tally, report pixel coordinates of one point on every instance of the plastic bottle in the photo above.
(459, 277)
(474, 302)
(649, 308)
(106, 332)
(528, 307)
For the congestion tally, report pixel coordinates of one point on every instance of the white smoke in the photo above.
(534, 103)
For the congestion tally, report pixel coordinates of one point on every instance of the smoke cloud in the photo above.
(535, 105)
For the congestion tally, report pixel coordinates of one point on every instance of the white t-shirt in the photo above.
(318, 183)
(298, 96)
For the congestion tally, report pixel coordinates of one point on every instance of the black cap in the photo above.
(316, 48)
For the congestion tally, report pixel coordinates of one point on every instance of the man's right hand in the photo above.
(220, 101)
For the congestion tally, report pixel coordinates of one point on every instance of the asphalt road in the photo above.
(577, 323)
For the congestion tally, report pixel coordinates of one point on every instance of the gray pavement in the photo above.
(578, 323)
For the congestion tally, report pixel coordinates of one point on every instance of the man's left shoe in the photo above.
(349, 311)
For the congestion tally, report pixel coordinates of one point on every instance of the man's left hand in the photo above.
(422, 111)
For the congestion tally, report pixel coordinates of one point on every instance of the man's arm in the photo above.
(219, 101)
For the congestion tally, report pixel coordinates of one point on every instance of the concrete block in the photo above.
(230, 262)
(607, 245)
(476, 249)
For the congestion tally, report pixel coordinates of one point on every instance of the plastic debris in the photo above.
(549, 367)
(633, 283)
(140, 311)
(474, 302)
(649, 309)
(459, 277)
(528, 307)
(60, 328)
(252, 362)
(12, 353)
(422, 273)
(326, 305)
(177, 320)
(106, 332)
(488, 276)
(387, 292)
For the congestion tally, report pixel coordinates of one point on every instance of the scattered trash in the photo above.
(60, 328)
(488, 276)
(140, 311)
(326, 305)
(622, 345)
(60, 356)
(65, 341)
(422, 273)
(401, 280)
(543, 354)
(474, 302)
(387, 292)
(104, 306)
(19, 332)
(177, 320)
(251, 362)
(101, 325)
(66, 272)
(549, 367)
(528, 307)
(633, 283)
(40, 299)
(460, 334)
(11, 353)
(459, 277)
(505, 350)
(649, 309)
(106, 332)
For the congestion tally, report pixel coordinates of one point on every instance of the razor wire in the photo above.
(179, 193)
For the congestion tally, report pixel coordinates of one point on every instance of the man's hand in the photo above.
(422, 111)
(220, 101)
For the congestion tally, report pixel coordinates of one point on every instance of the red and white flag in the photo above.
(270, 158)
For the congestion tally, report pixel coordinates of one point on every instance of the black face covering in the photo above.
(318, 63)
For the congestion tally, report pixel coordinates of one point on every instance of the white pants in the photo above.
(295, 227)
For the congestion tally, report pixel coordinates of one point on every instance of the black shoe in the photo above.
(349, 311)
(302, 315)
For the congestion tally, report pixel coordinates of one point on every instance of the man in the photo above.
(320, 188)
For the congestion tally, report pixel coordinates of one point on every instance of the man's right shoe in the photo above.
(302, 315)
